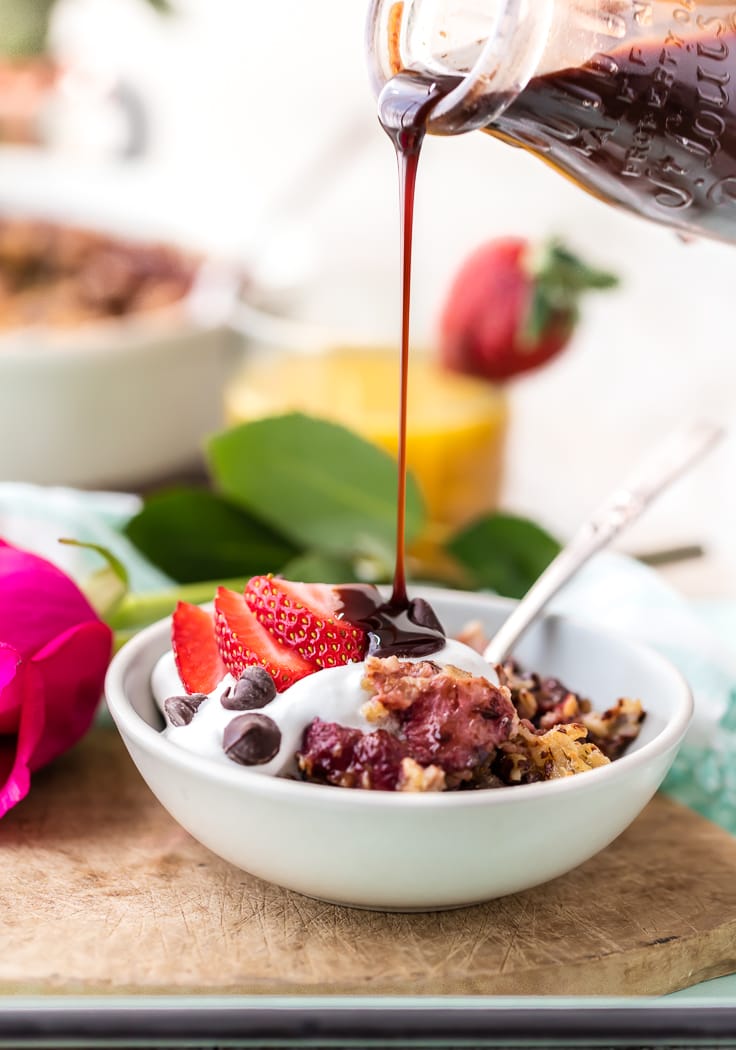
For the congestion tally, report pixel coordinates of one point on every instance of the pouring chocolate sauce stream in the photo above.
(405, 627)
(401, 626)
(403, 108)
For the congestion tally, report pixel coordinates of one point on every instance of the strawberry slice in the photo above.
(243, 641)
(197, 656)
(306, 617)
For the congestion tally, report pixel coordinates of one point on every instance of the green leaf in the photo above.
(504, 553)
(314, 567)
(194, 535)
(316, 482)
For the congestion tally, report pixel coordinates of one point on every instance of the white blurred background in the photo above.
(262, 133)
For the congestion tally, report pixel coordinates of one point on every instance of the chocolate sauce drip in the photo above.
(403, 631)
(409, 629)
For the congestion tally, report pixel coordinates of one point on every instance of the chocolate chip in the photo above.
(180, 710)
(255, 688)
(251, 739)
(423, 615)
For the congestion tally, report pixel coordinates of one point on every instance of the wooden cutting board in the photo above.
(101, 892)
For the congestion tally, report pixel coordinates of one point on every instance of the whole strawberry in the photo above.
(513, 306)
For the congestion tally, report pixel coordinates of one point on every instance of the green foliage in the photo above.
(193, 535)
(24, 25)
(314, 567)
(504, 553)
(316, 482)
(315, 502)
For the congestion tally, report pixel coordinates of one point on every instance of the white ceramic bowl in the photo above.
(118, 402)
(418, 852)
(108, 406)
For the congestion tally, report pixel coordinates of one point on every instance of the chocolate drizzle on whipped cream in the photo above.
(406, 629)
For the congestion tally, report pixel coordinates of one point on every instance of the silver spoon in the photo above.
(622, 507)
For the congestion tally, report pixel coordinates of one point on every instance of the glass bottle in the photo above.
(635, 100)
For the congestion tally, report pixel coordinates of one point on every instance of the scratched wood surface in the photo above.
(101, 892)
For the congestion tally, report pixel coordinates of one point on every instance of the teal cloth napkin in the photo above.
(36, 518)
(623, 595)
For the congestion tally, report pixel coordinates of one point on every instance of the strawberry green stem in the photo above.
(559, 279)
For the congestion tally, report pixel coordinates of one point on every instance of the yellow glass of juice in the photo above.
(456, 424)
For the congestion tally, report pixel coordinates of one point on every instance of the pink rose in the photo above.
(54, 651)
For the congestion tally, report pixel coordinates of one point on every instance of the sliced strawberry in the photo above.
(197, 656)
(306, 617)
(243, 641)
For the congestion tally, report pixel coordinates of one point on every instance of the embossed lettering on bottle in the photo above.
(650, 124)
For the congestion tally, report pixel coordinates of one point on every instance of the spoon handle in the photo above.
(623, 506)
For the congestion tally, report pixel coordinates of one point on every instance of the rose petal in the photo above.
(54, 651)
(25, 691)
(72, 669)
(10, 692)
(37, 601)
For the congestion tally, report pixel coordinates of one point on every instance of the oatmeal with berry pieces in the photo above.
(463, 732)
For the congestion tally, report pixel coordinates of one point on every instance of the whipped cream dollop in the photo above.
(332, 695)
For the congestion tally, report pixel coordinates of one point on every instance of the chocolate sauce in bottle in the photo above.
(401, 626)
(650, 126)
